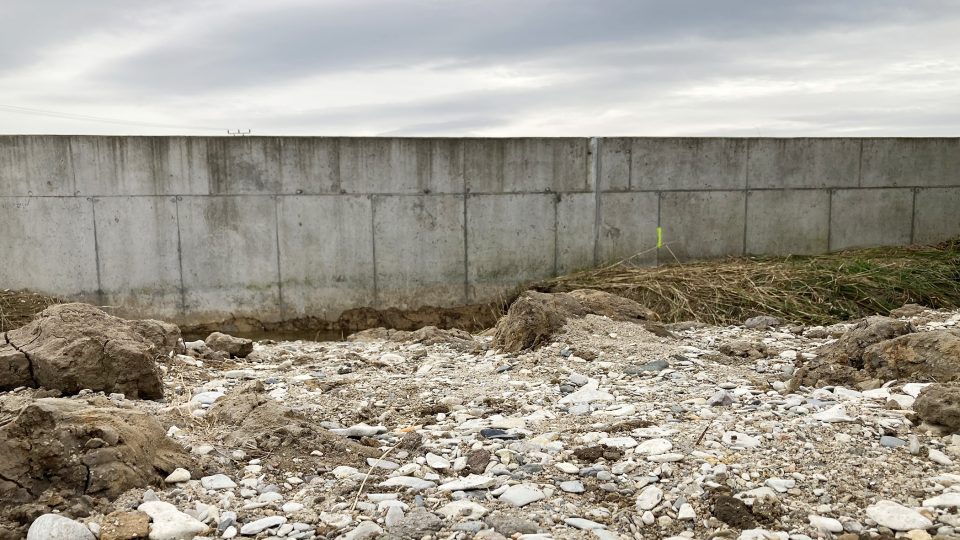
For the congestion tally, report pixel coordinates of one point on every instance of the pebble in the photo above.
(360, 430)
(256, 527)
(57, 527)
(170, 523)
(437, 462)
(946, 500)
(177, 476)
(521, 495)
(649, 498)
(408, 482)
(891, 442)
(217, 481)
(825, 524)
(473, 481)
(654, 446)
(686, 512)
(364, 531)
(939, 457)
(463, 509)
(583, 524)
(572, 486)
(897, 517)
(291, 507)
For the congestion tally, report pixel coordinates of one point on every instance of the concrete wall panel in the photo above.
(404, 166)
(309, 165)
(510, 240)
(937, 215)
(688, 164)
(615, 164)
(628, 228)
(244, 165)
(229, 257)
(139, 255)
(527, 165)
(790, 222)
(870, 217)
(419, 250)
(326, 254)
(803, 163)
(911, 162)
(702, 225)
(576, 215)
(35, 165)
(47, 245)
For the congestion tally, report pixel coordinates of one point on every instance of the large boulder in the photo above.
(535, 317)
(234, 346)
(929, 356)
(73, 447)
(70, 347)
(940, 404)
(842, 361)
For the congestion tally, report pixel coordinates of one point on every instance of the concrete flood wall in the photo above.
(199, 229)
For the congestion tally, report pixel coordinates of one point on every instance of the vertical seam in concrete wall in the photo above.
(373, 247)
(659, 231)
(860, 166)
(556, 234)
(746, 194)
(466, 252)
(829, 219)
(913, 215)
(630, 165)
(96, 251)
(595, 145)
(276, 231)
(183, 290)
(73, 166)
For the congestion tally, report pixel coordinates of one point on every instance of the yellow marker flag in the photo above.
(659, 238)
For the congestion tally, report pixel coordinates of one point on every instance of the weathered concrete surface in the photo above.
(870, 217)
(937, 215)
(197, 229)
(139, 256)
(229, 257)
(326, 253)
(628, 228)
(803, 163)
(702, 225)
(47, 244)
(510, 241)
(910, 162)
(792, 222)
(419, 250)
(688, 163)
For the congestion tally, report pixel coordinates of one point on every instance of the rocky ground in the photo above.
(605, 431)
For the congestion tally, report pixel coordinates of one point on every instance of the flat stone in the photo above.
(291, 507)
(521, 495)
(409, 482)
(891, 442)
(217, 481)
(649, 498)
(364, 531)
(437, 462)
(939, 457)
(653, 447)
(741, 441)
(897, 517)
(686, 512)
(360, 430)
(473, 481)
(837, 413)
(57, 527)
(256, 527)
(781, 484)
(463, 509)
(825, 524)
(177, 476)
(946, 500)
(170, 523)
(382, 464)
(572, 486)
(583, 524)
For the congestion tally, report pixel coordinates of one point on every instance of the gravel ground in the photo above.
(608, 432)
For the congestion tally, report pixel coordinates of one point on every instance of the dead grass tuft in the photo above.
(18, 308)
(819, 289)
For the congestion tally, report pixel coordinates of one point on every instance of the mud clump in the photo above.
(251, 420)
(931, 356)
(535, 317)
(234, 346)
(842, 362)
(940, 404)
(55, 451)
(431, 335)
(71, 347)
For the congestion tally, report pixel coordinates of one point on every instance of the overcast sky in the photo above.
(481, 67)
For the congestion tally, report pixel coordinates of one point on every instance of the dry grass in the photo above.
(17, 308)
(812, 290)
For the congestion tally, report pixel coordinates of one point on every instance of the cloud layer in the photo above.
(482, 67)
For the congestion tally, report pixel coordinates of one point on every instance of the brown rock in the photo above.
(233, 346)
(535, 317)
(77, 447)
(907, 310)
(70, 347)
(477, 461)
(125, 526)
(940, 404)
(931, 356)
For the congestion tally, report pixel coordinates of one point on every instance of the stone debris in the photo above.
(598, 428)
(233, 346)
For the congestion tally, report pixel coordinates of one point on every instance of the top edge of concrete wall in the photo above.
(505, 138)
